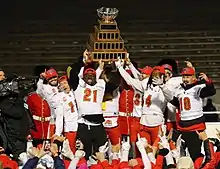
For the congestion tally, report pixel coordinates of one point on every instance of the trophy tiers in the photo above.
(105, 42)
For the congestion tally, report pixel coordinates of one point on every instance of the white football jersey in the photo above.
(67, 113)
(191, 105)
(153, 107)
(89, 98)
(110, 110)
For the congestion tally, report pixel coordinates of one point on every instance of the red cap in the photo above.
(146, 70)
(160, 68)
(188, 71)
(62, 78)
(89, 71)
(167, 66)
(51, 73)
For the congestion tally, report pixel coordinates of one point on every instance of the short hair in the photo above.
(1, 70)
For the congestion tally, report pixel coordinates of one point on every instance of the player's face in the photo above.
(53, 81)
(90, 79)
(64, 86)
(168, 74)
(188, 79)
(2, 75)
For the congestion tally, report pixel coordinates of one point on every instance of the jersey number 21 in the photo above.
(90, 95)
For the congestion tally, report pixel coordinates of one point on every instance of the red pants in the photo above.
(129, 126)
(113, 134)
(150, 133)
(71, 136)
(51, 130)
(171, 125)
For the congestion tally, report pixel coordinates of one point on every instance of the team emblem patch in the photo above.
(64, 99)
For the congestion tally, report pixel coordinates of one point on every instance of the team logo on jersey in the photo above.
(64, 99)
(54, 90)
(108, 122)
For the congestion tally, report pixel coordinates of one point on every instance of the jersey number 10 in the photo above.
(185, 103)
(90, 95)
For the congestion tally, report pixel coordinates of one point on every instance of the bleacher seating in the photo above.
(24, 49)
(56, 35)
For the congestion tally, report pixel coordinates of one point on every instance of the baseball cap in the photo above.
(146, 70)
(62, 78)
(188, 71)
(89, 71)
(185, 162)
(160, 68)
(51, 73)
(167, 66)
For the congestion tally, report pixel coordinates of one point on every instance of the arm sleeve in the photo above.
(168, 94)
(31, 163)
(59, 119)
(74, 78)
(58, 163)
(159, 162)
(98, 73)
(207, 91)
(134, 71)
(40, 87)
(73, 163)
(130, 81)
(146, 161)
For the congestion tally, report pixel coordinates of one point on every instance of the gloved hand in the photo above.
(141, 143)
(104, 148)
(66, 151)
(119, 63)
(164, 142)
(158, 81)
(125, 147)
(164, 130)
(92, 160)
(79, 154)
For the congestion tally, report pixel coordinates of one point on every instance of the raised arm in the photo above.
(73, 77)
(134, 71)
(128, 79)
(59, 116)
(99, 70)
(209, 89)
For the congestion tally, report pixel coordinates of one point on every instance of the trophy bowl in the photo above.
(107, 14)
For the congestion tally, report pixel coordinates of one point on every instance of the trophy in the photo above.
(105, 42)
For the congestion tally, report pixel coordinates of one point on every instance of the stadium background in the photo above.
(55, 33)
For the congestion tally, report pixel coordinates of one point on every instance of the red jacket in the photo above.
(212, 162)
(126, 105)
(41, 114)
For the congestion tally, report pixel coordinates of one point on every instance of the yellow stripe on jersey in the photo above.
(104, 106)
